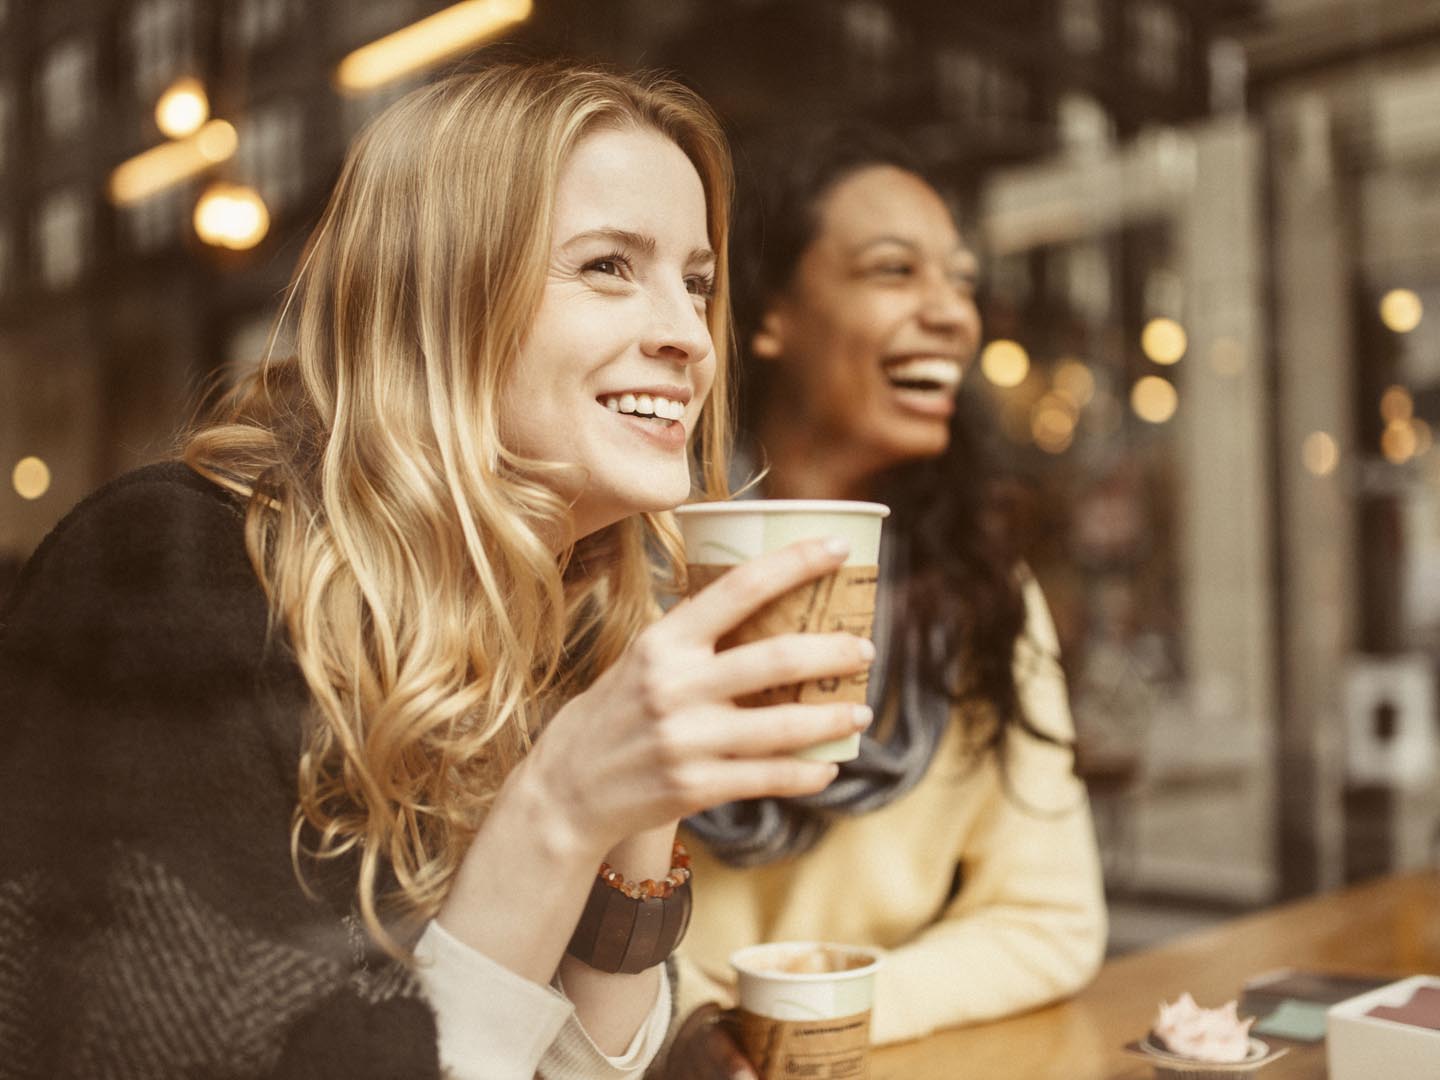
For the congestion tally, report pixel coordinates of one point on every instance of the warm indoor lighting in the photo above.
(231, 216)
(1399, 442)
(1320, 453)
(1052, 424)
(1154, 399)
(1401, 310)
(1396, 404)
(31, 478)
(182, 108)
(167, 164)
(1004, 362)
(1164, 340)
(422, 44)
(1074, 382)
(1424, 436)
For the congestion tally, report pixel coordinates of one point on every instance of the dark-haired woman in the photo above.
(960, 840)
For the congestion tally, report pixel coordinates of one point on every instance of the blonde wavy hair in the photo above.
(401, 544)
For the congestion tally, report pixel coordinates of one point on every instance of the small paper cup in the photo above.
(805, 1008)
(721, 535)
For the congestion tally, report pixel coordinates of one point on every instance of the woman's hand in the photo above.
(658, 736)
(704, 1050)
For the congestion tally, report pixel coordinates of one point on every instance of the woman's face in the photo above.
(878, 323)
(618, 362)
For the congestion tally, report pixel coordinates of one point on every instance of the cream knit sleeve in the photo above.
(1028, 925)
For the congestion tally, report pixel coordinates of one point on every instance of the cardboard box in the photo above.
(1361, 1047)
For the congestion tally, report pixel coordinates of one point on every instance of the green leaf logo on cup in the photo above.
(725, 534)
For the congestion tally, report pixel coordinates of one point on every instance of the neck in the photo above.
(806, 463)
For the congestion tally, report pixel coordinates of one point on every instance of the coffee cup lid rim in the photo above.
(786, 506)
(739, 956)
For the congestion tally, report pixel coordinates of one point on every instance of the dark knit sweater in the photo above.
(151, 924)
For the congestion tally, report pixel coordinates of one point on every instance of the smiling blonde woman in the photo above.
(318, 736)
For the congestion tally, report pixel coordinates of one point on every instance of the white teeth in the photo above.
(645, 405)
(941, 372)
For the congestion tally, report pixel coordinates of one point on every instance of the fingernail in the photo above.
(836, 545)
(867, 649)
(861, 715)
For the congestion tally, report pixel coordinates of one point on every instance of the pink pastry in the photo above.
(1186, 1029)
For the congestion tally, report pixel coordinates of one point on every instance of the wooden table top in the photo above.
(1390, 926)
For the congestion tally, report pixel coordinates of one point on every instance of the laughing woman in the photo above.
(314, 740)
(960, 840)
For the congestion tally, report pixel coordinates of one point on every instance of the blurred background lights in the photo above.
(1004, 362)
(447, 33)
(1399, 442)
(1154, 399)
(231, 216)
(1396, 404)
(182, 108)
(1163, 340)
(1424, 436)
(161, 166)
(31, 478)
(1074, 382)
(1320, 453)
(1052, 424)
(1401, 310)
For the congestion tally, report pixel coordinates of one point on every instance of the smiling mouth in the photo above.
(661, 410)
(930, 374)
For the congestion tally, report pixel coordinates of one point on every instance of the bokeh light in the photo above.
(1401, 310)
(182, 108)
(1005, 362)
(231, 216)
(1074, 381)
(1399, 442)
(1320, 453)
(1396, 404)
(30, 477)
(1052, 423)
(1164, 340)
(1154, 399)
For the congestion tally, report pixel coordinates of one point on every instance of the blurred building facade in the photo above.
(1189, 212)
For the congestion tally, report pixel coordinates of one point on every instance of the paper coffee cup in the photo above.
(805, 1009)
(724, 534)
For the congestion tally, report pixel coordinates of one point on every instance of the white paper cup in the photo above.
(805, 1008)
(725, 534)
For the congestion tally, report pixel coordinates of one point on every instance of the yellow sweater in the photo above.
(1027, 926)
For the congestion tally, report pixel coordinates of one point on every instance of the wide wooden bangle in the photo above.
(623, 933)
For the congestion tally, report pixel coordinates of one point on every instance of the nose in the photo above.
(678, 331)
(949, 309)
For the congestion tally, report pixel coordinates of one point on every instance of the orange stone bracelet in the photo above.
(639, 890)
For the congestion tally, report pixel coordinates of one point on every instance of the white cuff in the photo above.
(492, 1023)
(574, 1053)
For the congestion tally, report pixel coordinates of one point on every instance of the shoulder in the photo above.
(159, 552)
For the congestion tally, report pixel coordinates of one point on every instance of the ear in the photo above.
(768, 342)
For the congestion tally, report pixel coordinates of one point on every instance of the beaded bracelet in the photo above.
(627, 926)
(638, 890)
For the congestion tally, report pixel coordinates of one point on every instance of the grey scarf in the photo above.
(759, 831)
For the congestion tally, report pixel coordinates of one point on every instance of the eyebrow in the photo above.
(960, 251)
(638, 241)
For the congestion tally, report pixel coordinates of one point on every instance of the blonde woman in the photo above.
(314, 741)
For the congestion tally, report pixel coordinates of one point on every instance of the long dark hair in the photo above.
(961, 571)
